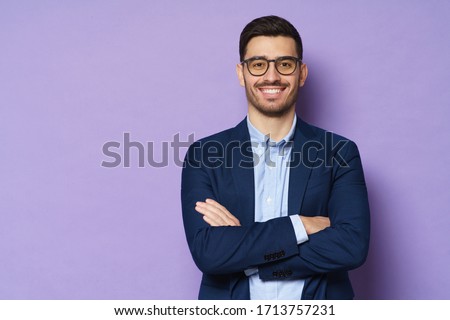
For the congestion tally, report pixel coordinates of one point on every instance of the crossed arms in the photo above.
(221, 245)
(217, 215)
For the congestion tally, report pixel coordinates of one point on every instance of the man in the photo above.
(274, 208)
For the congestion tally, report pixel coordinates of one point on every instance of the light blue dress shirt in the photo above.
(271, 173)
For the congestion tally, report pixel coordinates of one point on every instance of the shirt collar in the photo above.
(258, 136)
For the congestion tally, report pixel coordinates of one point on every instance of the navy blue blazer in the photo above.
(326, 178)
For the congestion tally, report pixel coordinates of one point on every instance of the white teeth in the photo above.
(271, 91)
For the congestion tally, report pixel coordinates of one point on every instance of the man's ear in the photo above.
(303, 74)
(240, 74)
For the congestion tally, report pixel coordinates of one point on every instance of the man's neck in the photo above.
(276, 127)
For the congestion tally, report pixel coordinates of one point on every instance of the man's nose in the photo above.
(272, 74)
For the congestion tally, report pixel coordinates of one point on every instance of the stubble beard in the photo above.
(269, 108)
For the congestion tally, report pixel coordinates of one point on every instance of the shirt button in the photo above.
(269, 200)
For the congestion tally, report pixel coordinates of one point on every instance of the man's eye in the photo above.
(285, 64)
(258, 65)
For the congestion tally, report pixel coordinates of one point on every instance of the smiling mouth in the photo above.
(272, 90)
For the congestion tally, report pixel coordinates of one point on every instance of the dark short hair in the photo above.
(270, 26)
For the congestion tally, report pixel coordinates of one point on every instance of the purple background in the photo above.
(76, 74)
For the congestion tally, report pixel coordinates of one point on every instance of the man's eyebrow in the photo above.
(257, 57)
(265, 57)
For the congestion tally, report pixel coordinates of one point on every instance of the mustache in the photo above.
(271, 84)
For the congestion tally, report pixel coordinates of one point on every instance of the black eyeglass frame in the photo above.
(246, 61)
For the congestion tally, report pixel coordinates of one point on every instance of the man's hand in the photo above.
(215, 214)
(315, 224)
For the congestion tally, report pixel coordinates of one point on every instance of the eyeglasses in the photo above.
(258, 66)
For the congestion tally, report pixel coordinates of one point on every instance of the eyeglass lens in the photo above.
(284, 66)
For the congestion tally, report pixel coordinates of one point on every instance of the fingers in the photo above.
(223, 210)
(215, 214)
(211, 215)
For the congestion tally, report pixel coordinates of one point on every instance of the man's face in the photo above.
(271, 94)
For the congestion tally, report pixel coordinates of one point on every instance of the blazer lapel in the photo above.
(242, 172)
(299, 172)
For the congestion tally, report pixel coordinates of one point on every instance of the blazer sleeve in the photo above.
(224, 250)
(343, 245)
